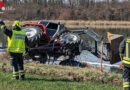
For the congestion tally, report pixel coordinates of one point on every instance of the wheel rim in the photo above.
(30, 32)
(69, 38)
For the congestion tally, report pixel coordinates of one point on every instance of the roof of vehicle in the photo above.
(47, 21)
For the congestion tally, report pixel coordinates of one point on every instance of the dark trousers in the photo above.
(126, 77)
(16, 61)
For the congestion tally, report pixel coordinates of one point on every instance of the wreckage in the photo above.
(50, 40)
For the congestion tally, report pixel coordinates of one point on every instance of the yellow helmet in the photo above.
(18, 24)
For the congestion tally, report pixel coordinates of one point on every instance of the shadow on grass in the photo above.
(49, 80)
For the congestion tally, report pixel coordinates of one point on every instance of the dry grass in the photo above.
(4, 56)
(91, 24)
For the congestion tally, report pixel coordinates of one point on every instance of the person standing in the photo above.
(17, 42)
(124, 50)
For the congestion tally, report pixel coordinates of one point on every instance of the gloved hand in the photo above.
(1, 22)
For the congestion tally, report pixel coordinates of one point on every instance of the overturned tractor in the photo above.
(50, 40)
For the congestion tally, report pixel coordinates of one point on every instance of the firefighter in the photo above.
(17, 42)
(124, 50)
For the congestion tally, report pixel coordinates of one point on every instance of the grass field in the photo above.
(72, 73)
(56, 77)
(37, 82)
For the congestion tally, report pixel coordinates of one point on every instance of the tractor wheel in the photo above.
(34, 34)
(70, 38)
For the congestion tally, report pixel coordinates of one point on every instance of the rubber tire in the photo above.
(73, 42)
(33, 40)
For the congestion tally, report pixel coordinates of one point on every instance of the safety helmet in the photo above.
(18, 24)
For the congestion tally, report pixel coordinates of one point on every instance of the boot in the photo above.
(22, 77)
(15, 78)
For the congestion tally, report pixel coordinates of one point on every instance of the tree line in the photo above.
(68, 9)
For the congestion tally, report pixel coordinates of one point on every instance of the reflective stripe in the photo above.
(21, 72)
(2, 26)
(127, 50)
(126, 58)
(17, 50)
(19, 36)
(125, 61)
(128, 40)
(126, 84)
(15, 74)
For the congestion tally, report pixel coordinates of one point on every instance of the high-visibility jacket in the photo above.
(126, 58)
(17, 42)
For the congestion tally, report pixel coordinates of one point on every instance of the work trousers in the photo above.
(126, 77)
(17, 63)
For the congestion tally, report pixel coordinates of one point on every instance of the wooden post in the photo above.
(101, 54)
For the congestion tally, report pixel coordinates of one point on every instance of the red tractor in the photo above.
(50, 40)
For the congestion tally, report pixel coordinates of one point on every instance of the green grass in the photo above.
(71, 73)
(55, 77)
(37, 82)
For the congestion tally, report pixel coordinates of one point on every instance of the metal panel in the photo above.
(114, 42)
(89, 32)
